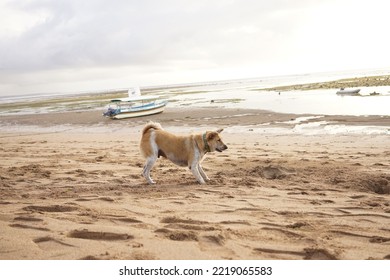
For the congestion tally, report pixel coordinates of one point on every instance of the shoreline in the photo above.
(193, 117)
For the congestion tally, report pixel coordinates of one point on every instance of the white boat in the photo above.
(135, 106)
(351, 92)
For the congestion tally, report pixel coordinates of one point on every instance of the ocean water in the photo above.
(298, 102)
(245, 94)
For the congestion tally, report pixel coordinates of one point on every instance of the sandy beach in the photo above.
(71, 188)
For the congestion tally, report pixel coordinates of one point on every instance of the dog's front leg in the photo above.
(202, 173)
(195, 171)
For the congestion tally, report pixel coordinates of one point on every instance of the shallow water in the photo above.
(297, 102)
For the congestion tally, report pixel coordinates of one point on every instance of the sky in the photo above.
(51, 46)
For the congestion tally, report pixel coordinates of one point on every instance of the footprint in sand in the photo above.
(218, 239)
(130, 220)
(96, 235)
(28, 219)
(188, 225)
(28, 227)
(272, 172)
(306, 254)
(178, 235)
(50, 208)
(49, 243)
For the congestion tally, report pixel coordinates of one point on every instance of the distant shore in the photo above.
(370, 81)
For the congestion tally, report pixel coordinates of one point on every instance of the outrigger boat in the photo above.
(135, 106)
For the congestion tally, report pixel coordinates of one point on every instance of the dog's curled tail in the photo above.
(151, 125)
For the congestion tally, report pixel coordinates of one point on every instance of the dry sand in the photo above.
(72, 189)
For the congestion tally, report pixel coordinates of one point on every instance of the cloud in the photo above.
(85, 33)
(93, 43)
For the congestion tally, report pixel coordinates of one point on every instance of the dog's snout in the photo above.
(224, 147)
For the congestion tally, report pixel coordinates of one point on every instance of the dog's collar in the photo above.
(206, 145)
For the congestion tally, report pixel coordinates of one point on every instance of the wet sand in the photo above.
(188, 117)
(71, 188)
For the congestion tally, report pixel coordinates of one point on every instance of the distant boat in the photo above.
(351, 92)
(135, 106)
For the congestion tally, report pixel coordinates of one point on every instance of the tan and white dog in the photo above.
(182, 150)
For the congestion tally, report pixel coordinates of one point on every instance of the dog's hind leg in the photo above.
(202, 173)
(148, 166)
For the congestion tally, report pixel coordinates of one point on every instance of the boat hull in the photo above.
(139, 113)
(350, 92)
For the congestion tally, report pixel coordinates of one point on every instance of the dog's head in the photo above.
(214, 141)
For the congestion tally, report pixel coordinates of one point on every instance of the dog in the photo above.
(182, 150)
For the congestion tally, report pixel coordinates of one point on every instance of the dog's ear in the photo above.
(220, 130)
(211, 135)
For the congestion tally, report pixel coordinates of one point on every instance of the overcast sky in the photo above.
(79, 45)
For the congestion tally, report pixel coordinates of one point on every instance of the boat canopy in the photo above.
(136, 98)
